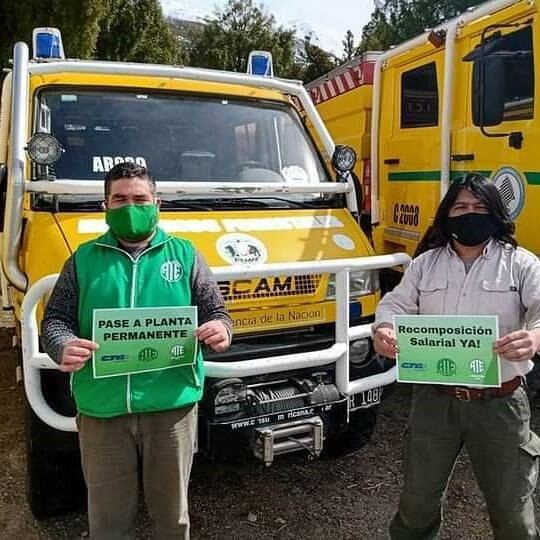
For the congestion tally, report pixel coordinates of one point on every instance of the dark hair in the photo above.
(483, 190)
(130, 170)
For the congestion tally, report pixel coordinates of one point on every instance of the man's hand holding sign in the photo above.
(518, 346)
(76, 353)
(214, 335)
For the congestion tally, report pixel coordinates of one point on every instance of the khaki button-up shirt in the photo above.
(502, 281)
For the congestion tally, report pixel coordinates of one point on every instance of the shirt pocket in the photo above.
(431, 296)
(501, 297)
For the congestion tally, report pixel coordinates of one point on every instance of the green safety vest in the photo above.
(108, 277)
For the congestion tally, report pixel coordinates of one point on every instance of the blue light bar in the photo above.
(260, 63)
(47, 43)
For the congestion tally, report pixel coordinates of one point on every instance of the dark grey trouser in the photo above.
(111, 449)
(503, 451)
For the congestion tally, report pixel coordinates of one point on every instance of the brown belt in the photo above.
(464, 393)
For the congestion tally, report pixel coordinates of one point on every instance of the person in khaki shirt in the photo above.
(468, 263)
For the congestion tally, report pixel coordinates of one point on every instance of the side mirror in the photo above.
(489, 90)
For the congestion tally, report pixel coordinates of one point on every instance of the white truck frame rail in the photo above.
(338, 353)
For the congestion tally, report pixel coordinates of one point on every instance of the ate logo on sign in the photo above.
(446, 367)
(171, 271)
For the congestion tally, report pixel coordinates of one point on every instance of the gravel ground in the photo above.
(350, 497)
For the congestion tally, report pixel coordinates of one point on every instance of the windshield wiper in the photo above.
(212, 203)
(58, 204)
(181, 204)
(244, 203)
(79, 205)
(264, 202)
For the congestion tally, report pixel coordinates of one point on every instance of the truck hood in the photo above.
(247, 237)
(251, 237)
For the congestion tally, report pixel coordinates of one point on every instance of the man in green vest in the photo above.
(149, 417)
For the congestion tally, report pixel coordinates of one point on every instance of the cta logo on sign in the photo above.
(114, 358)
(418, 366)
(241, 249)
(511, 186)
(171, 271)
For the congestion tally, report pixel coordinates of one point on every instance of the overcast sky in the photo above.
(329, 20)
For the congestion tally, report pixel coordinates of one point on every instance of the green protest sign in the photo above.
(447, 349)
(135, 340)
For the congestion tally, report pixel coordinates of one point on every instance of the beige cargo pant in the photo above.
(504, 455)
(111, 451)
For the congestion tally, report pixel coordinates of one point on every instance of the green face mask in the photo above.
(132, 222)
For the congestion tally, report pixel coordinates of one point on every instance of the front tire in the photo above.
(54, 480)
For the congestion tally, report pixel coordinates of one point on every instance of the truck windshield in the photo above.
(178, 137)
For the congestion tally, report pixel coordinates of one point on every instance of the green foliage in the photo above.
(186, 34)
(227, 39)
(78, 21)
(314, 61)
(349, 50)
(395, 21)
(135, 30)
(105, 29)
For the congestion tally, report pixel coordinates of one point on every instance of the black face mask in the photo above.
(470, 229)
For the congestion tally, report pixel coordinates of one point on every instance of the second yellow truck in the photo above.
(461, 97)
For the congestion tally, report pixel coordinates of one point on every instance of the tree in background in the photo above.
(78, 21)
(136, 31)
(349, 50)
(240, 27)
(104, 29)
(314, 61)
(395, 21)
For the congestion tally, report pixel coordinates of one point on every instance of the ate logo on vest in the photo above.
(171, 271)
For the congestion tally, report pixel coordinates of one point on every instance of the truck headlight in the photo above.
(359, 351)
(361, 283)
(44, 149)
(230, 396)
(344, 158)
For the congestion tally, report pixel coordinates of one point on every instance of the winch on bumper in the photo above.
(274, 417)
(280, 414)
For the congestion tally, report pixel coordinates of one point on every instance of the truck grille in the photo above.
(270, 287)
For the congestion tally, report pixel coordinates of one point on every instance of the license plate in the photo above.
(366, 399)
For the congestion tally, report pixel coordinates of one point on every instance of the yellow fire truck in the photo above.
(240, 176)
(459, 98)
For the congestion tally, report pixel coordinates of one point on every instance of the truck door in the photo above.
(501, 135)
(409, 152)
